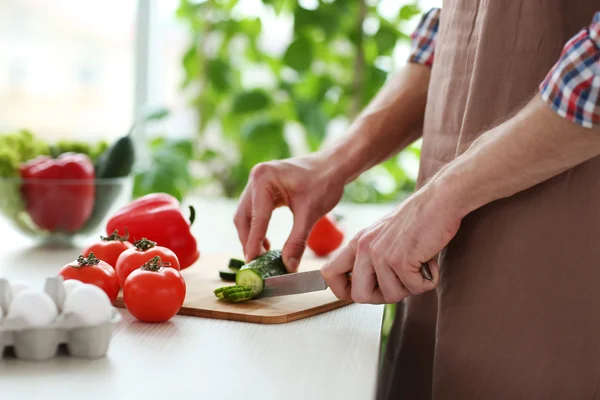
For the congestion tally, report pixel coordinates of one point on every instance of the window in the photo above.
(67, 67)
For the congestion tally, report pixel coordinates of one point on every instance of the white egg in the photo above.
(71, 284)
(17, 287)
(90, 304)
(35, 307)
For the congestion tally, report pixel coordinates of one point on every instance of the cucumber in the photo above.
(234, 263)
(228, 274)
(219, 292)
(116, 162)
(253, 274)
(234, 294)
(239, 297)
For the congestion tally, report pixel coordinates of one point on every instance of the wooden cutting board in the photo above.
(203, 278)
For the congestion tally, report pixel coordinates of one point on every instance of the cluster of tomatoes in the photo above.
(148, 274)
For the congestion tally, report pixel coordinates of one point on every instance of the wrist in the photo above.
(450, 189)
(343, 161)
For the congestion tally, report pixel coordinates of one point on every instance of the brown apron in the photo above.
(517, 311)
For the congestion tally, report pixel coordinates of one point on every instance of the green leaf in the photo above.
(375, 79)
(311, 115)
(219, 74)
(250, 26)
(250, 101)
(208, 155)
(278, 5)
(299, 54)
(156, 114)
(386, 38)
(408, 11)
(263, 140)
(190, 65)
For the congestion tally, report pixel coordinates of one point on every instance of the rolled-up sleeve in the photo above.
(422, 47)
(572, 87)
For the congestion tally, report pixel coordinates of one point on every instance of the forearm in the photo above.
(528, 149)
(391, 122)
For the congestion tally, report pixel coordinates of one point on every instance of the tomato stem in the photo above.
(115, 236)
(144, 244)
(192, 215)
(87, 261)
(155, 264)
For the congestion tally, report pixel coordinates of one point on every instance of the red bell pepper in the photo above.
(158, 218)
(59, 193)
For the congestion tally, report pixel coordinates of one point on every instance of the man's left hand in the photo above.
(385, 259)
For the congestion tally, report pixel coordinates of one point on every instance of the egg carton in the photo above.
(67, 330)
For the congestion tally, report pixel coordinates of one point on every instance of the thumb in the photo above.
(296, 243)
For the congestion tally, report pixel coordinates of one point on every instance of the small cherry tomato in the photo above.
(155, 292)
(109, 248)
(325, 236)
(143, 251)
(95, 272)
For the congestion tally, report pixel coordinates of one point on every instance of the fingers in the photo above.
(365, 288)
(334, 272)
(261, 211)
(390, 285)
(241, 219)
(296, 244)
(413, 279)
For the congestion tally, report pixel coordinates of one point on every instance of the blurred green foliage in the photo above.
(330, 70)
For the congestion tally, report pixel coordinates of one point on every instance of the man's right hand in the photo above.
(307, 185)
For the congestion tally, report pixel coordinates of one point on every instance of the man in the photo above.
(510, 115)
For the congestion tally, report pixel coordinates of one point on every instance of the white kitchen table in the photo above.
(330, 356)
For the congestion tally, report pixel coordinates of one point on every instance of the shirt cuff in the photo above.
(572, 87)
(423, 38)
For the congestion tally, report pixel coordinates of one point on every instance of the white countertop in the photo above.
(329, 356)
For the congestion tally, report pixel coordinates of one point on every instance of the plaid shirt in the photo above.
(571, 88)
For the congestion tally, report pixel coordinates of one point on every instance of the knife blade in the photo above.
(298, 282)
(306, 282)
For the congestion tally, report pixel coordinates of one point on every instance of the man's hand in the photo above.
(305, 185)
(534, 145)
(385, 259)
(312, 185)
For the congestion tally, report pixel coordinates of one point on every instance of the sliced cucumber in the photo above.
(234, 263)
(234, 294)
(252, 279)
(239, 297)
(219, 292)
(228, 274)
(229, 290)
(253, 274)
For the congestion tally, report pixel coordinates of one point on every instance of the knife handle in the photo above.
(425, 272)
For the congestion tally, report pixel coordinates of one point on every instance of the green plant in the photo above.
(330, 70)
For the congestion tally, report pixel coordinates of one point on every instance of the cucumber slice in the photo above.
(239, 297)
(219, 292)
(224, 291)
(250, 278)
(229, 290)
(234, 263)
(254, 273)
(228, 275)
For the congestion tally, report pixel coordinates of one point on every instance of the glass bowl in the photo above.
(61, 211)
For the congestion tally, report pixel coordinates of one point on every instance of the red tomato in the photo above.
(109, 248)
(154, 292)
(142, 251)
(95, 272)
(325, 237)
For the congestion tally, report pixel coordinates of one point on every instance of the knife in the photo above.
(305, 282)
